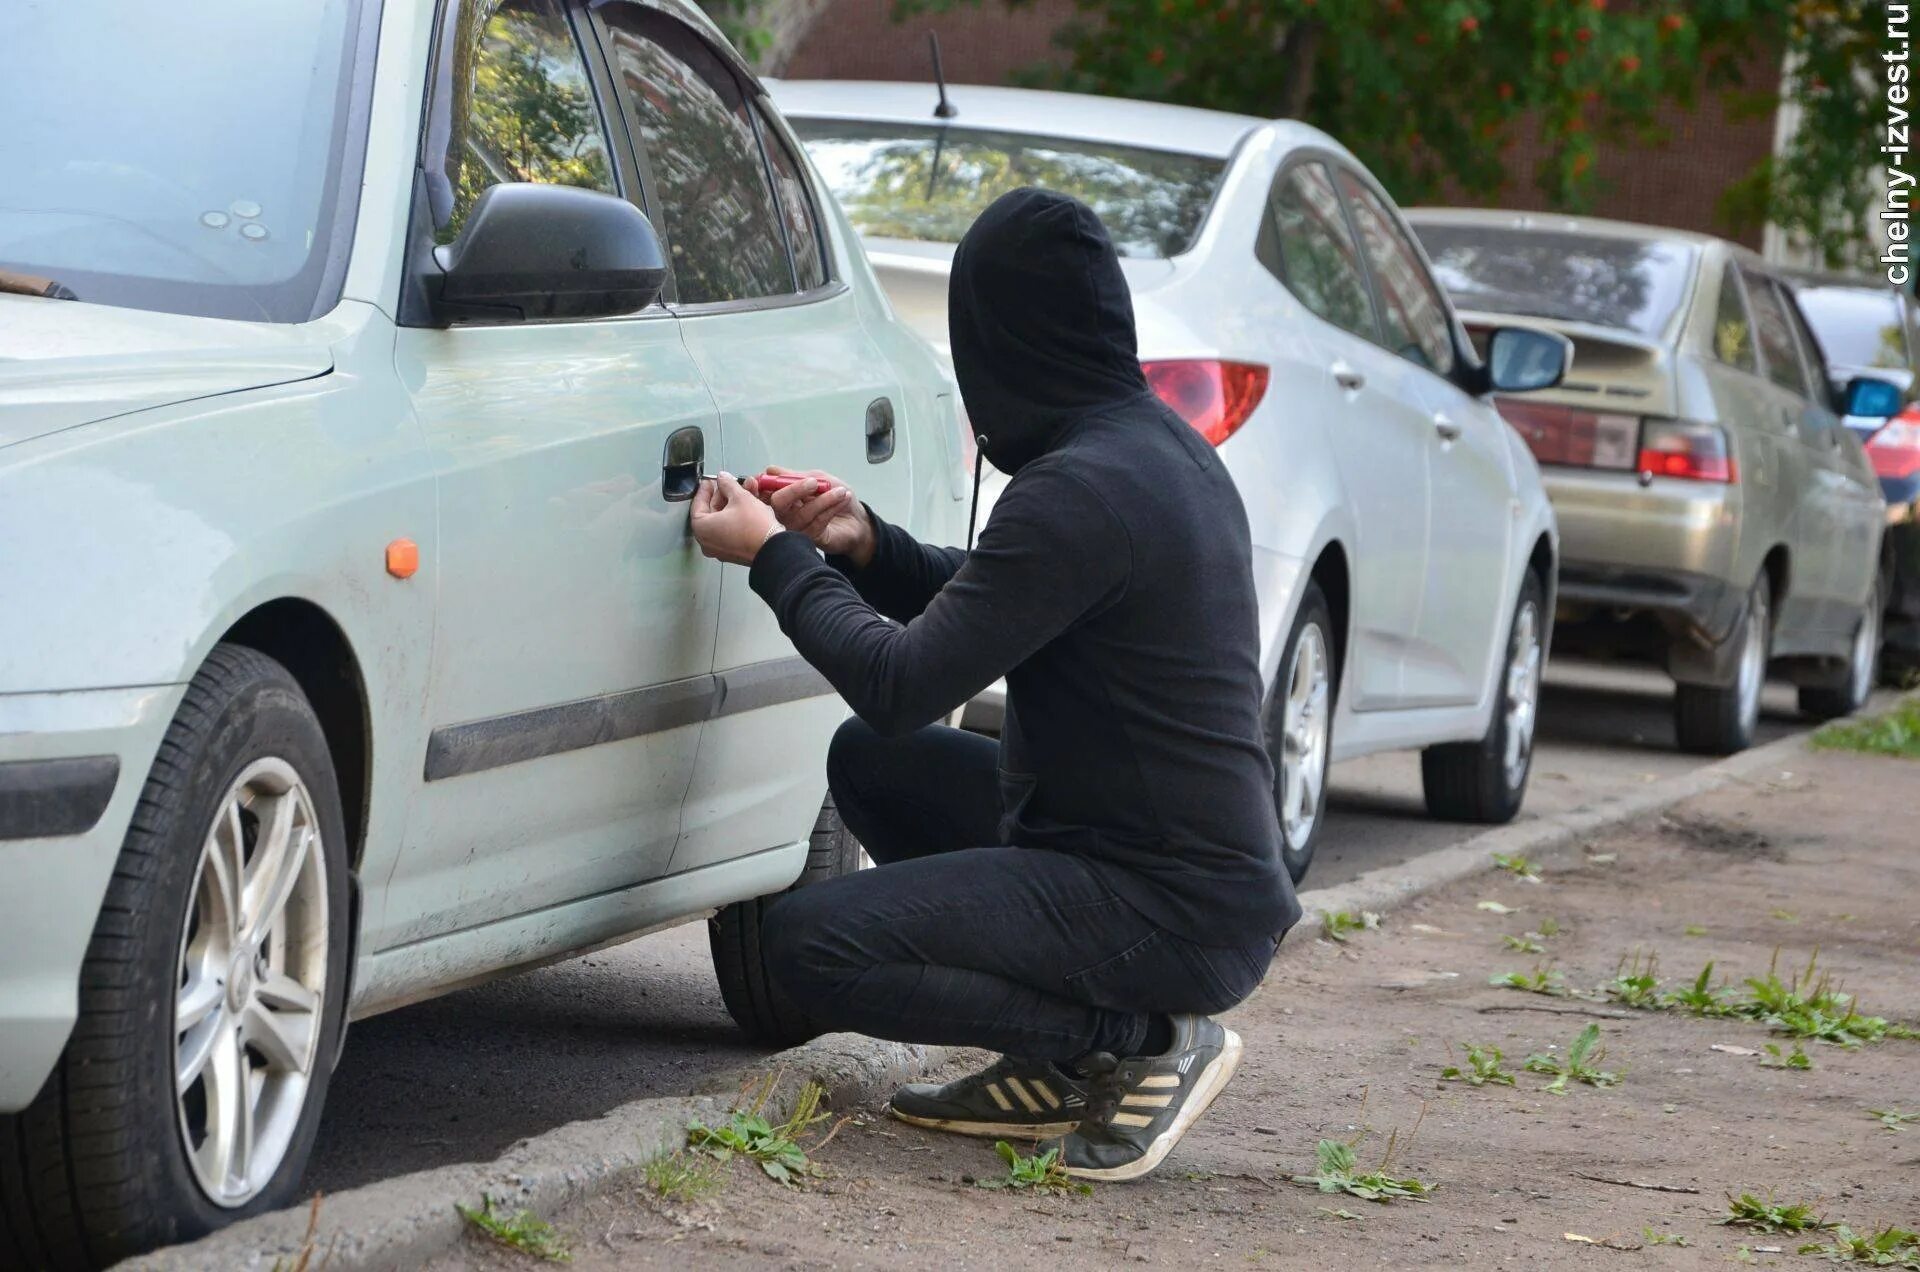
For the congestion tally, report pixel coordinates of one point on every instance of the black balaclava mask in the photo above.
(1040, 321)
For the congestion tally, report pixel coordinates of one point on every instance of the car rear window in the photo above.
(1633, 284)
(1857, 327)
(929, 182)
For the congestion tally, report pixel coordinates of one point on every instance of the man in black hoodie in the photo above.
(1080, 896)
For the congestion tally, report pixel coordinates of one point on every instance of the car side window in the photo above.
(1774, 335)
(1811, 357)
(796, 207)
(1733, 327)
(1313, 249)
(722, 229)
(523, 106)
(1413, 317)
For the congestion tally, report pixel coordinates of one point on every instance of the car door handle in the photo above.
(1346, 376)
(1444, 425)
(680, 463)
(879, 430)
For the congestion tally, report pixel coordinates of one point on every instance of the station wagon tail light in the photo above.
(1572, 437)
(1691, 452)
(1215, 397)
(1895, 449)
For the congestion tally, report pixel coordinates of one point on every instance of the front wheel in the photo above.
(1486, 781)
(1299, 729)
(1722, 719)
(212, 993)
(765, 1014)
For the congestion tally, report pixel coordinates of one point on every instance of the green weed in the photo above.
(1041, 1173)
(1665, 1238)
(1519, 865)
(1811, 1005)
(1541, 980)
(1893, 1119)
(1749, 1211)
(1581, 1063)
(522, 1230)
(1693, 929)
(678, 1177)
(1700, 999)
(776, 1148)
(1890, 1247)
(1896, 733)
(1337, 925)
(1523, 944)
(1636, 981)
(1482, 1067)
(1774, 1060)
(1336, 1173)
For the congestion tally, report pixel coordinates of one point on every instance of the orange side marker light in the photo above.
(403, 558)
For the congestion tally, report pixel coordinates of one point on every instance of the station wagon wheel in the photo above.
(1722, 719)
(1486, 781)
(1299, 729)
(1827, 702)
(211, 996)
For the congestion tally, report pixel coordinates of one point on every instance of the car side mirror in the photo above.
(1523, 359)
(548, 251)
(1871, 398)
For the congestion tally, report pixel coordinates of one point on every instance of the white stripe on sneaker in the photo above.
(1033, 1105)
(1046, 1092)
(1205, 1088)
(1130, 1119)
(1160, 1080)
(993, 1089)
(1147, 1101)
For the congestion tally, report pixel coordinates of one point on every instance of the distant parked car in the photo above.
(1717, 517)
(353, 645)
(1868, 328)
(1403, 547)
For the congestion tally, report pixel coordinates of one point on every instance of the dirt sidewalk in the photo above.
(1346, 1038)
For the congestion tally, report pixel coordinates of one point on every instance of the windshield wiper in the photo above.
(30, 285)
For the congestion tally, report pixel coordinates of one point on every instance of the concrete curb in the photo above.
(401, 1223)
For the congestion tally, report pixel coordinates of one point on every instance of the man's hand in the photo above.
(728, 523)
(823, 508)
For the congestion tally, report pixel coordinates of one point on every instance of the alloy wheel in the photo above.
(1304, 731)
(1866, 645)
(1753, 659)
(252, 983)
(1522, 693)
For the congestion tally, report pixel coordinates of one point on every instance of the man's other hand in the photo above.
(728, 523)
(823, 508)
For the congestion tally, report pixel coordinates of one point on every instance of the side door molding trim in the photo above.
(458, 749)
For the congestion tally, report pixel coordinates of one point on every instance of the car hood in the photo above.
(65, 363)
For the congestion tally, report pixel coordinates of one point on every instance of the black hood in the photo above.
(1041, 323)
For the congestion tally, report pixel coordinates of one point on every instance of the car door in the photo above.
(1463, 587)
(1845, 477)
(1361, 397)
(572, 666)
(1815, 532)
(782, 345)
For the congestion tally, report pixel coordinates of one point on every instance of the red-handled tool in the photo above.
(767, 483)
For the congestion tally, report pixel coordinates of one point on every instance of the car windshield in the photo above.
(178, 157)
(929, 182)
(1629, 283)
(1857, 326)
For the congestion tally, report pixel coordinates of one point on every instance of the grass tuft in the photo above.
(1798, 1059)
(1541, 980)
(1749, 1211)
(1482, 1067)
(1893, 1119)
(678, 1177)
(1040, 1173)
(1336, 1172)
(1636, 981)
(1337, 925)
(750, 1135)
(1581, 1063)
(1890, 1247)
(1895, 733)
(1518, 865)
(1664, 1238)
(522, 1230)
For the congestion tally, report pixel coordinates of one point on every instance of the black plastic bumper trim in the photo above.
(41, 799)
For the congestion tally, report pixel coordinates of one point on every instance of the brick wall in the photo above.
(1676, 184)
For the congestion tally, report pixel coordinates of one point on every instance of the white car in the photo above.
(1404, 550)
(353, 645)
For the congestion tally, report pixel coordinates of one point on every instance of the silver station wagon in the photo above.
(353, 646)
(1716, 515)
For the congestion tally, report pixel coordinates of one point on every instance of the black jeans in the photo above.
(946, 941)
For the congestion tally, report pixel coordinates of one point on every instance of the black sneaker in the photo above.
(1010, 1098)
(1138, 1108)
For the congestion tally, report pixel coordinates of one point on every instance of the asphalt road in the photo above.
(463, 1077)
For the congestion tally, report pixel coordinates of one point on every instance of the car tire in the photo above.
(765, 1014)
(1721, 719)
(1299, 729)
(1863, 669)
(102, 1165)
(1486, 781)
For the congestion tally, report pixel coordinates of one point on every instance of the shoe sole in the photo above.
(1213, 1079)
(987, 1130)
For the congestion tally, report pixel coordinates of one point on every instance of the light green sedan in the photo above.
(356, 362)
